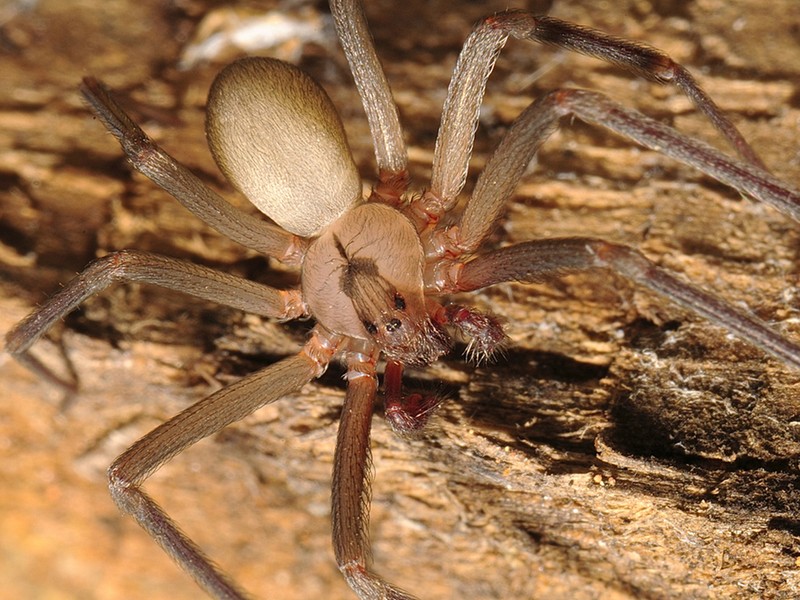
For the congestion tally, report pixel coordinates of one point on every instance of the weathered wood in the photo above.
(620, 449)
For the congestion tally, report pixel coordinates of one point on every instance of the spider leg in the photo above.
(133, 265)
(537, 122)
(127, 474)
(476, 61)
(641, 59)
(539, 260)
(376, 96)
(147, 157)
(351, 485)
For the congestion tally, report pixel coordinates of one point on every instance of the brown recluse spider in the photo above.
(374, 272)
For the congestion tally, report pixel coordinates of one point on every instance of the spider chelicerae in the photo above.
(375, 274)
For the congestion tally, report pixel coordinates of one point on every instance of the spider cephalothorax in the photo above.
(364, 279)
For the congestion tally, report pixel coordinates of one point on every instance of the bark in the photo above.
(620, 448)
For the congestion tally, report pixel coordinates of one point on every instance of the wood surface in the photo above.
(620, 448)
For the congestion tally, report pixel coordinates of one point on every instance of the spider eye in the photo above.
(393, 325)
(370, 327)
(399, 302)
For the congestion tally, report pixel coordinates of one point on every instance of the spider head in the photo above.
(401, 328)
(415, 343)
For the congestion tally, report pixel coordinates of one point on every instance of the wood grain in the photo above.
(620, 449)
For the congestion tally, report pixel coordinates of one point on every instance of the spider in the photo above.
(375, 271)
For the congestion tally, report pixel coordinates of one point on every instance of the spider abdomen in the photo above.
(276, 135)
